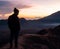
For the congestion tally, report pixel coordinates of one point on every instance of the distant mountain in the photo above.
(53, 18)
(3, 22)
(34, 24)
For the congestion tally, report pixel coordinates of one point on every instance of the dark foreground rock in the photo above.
(35, 41)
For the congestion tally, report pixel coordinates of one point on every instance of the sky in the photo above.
(29, 9)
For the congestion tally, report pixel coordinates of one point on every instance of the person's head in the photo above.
(16, 11)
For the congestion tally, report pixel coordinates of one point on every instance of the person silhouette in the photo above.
(14, 26)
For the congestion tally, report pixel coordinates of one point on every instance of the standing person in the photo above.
(14, 26)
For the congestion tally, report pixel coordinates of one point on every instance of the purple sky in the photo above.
(35, 7)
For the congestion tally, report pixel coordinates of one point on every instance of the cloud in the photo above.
(4, 3)
(5, 7)
(20, 6)
(8, 6)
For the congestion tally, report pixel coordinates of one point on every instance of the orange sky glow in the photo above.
(29, 9)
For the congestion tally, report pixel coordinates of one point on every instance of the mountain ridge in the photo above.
(53, 18)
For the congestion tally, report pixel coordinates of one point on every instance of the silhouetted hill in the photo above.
(3, 22)
(53, 18)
